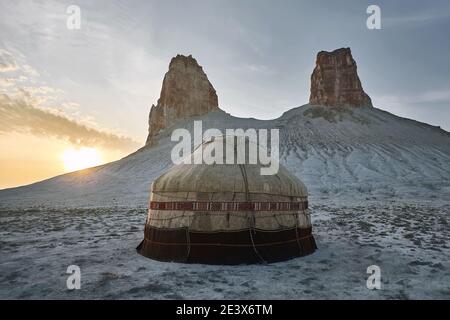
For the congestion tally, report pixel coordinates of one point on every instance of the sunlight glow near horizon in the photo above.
(80, 158)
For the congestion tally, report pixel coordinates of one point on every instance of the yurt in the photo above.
(226, 214)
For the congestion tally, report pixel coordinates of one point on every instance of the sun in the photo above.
(80, 158)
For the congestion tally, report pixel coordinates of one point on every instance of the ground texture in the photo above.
(408, 241)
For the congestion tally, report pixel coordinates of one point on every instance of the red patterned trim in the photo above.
(229, 206)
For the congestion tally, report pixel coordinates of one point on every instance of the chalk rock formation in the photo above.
(186, 92)
(335, 81)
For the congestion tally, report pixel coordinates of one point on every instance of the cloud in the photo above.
(7, 62)
(257, 68)
(18, 115)
(15, 63)
(435, 96)
(417, 19)
(6, 82)
(28, 104)
(427, 97)
(30, 71)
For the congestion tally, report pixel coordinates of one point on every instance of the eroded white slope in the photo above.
(366, 152)
(359, 153)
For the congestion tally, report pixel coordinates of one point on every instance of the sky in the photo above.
(91, 89)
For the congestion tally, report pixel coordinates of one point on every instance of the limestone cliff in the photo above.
(335, 81)
(186, 92)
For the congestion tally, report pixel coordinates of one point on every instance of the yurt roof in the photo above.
(228, 178)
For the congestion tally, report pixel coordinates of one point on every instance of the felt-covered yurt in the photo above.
(226, 214)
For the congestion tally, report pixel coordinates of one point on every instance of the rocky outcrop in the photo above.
(335, 81)
(186, 92)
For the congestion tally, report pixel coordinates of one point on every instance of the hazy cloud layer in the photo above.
(258, 55)
(17, 115)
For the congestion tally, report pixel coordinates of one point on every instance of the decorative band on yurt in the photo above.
(228, 206)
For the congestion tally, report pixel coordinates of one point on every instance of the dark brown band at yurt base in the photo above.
(230, 247)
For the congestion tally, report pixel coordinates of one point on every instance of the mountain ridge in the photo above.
(380, 156)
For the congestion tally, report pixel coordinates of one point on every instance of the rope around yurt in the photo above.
(251, 222)
(188, 243)
(296, 234)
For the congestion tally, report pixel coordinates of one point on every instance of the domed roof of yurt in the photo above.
(226, 213)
